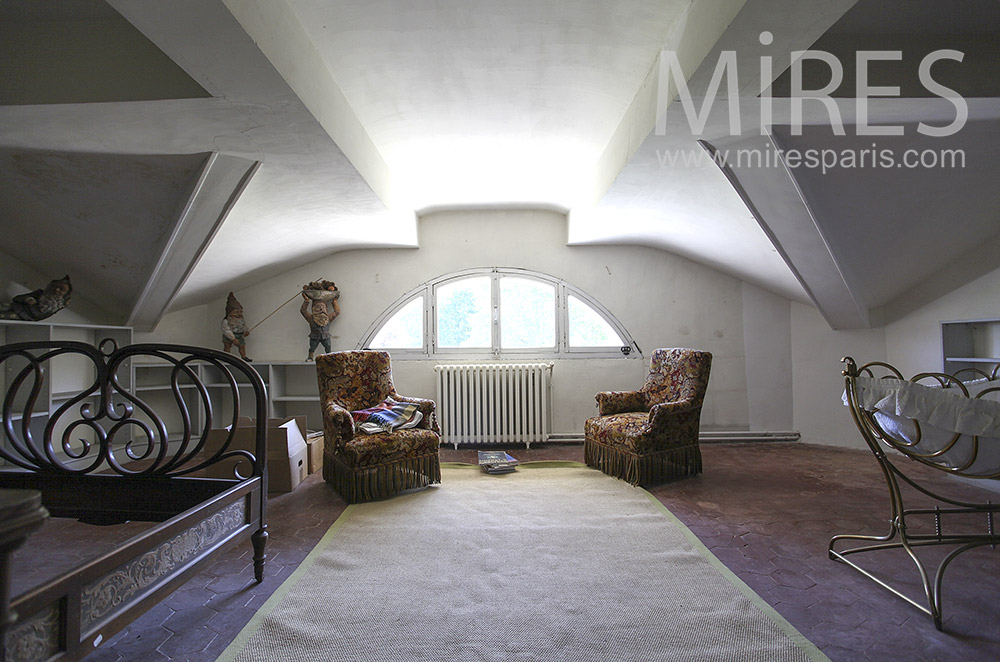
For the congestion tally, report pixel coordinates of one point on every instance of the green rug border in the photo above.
(808, 647)
(241, 640)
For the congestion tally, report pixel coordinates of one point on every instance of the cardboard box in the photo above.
(314, 442)
(287, 455)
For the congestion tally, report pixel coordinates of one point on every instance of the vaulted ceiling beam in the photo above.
(221, 182)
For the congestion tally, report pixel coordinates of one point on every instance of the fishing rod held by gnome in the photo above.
(234, 328)
(320, 307)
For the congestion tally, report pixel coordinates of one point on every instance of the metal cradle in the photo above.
(949, 517)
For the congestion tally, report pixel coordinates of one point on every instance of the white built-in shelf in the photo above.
(973, 359)
(66, 395)
(970, 343)
(17, 416)
(291, 386)
(226, 385)
(161, 387)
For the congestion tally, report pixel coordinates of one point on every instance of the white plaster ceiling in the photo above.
(476, 102)
(359, 114)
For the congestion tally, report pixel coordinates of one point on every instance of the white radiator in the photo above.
(494, 403)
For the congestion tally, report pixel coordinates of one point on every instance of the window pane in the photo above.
(404, 330)
(588, 329)
(463, 313)
(527, 313)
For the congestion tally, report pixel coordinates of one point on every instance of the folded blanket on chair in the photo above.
(387, 416)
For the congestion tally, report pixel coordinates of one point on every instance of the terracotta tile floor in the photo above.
(767, 510)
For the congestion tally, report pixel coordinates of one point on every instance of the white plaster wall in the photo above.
(662, 299)
(198, 325)
(817, 385)
(912, 344)
(767, 334)
(914, 341)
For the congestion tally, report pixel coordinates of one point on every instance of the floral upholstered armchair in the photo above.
(649, 435)
(362, 466)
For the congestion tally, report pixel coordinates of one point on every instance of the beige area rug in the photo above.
(555, 561)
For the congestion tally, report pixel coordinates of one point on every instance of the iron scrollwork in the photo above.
(107, 424)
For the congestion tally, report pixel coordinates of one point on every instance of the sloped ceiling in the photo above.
(82, 51)
(296, 128)
(59, 201)
(864, 243)
(889, 232)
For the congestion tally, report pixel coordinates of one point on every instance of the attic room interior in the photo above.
(779, 183)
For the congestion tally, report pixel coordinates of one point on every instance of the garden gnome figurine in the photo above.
(39, 304)
(234, 327)
(319, 308)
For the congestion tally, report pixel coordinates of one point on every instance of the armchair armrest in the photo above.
(616, 402)
(427, 407)
(338, 425)
(660, 413)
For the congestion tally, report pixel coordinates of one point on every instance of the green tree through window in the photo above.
(404, 329)
(463, 318)
(527, 313)
(454, 325)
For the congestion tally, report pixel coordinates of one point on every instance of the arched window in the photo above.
(499, 312)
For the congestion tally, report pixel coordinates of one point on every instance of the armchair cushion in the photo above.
(366, 450)
(624, 430)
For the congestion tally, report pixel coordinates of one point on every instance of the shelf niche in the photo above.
(970, 344)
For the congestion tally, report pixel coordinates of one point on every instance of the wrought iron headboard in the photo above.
(107, 427)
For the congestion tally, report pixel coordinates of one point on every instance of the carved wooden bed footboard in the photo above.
(107, 450)
(948, 422)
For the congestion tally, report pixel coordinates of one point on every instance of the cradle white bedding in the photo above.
(939, 423)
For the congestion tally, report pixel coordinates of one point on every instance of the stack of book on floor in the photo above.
(497, 462)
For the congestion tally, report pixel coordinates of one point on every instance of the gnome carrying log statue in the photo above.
(320, 307)
(234, 327)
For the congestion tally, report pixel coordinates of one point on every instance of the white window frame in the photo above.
(522, 352)
(561, 348)
(430, 317)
